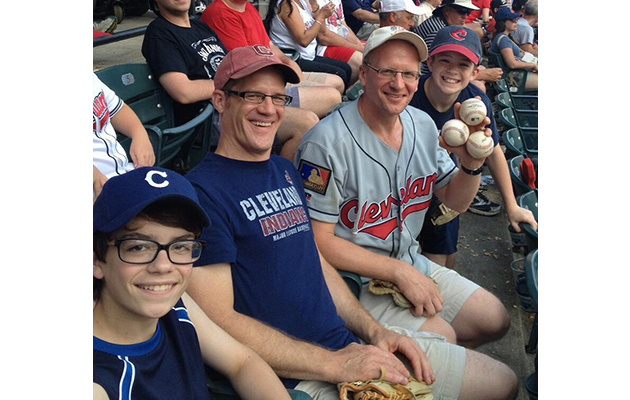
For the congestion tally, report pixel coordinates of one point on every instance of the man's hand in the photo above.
(520, 214)
(421, 291)
(490, 74)
(394, 342)
(98, 180)
(357, 362)
(141, 151)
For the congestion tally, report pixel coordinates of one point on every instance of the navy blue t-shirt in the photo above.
(421, 102)
(260, 226)
(168, 366)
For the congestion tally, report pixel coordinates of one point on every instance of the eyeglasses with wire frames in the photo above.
(390, 73)
(145, 251)
(258, 98)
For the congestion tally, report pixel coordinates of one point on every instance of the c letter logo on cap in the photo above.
(263, 51)
(459, 35)
(150, 181)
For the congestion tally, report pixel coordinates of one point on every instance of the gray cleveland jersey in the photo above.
(377, 197)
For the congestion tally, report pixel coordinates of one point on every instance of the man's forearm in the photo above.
(184, 90)
(366, 16)
(329, 38)
(357, 319)
(289, 357)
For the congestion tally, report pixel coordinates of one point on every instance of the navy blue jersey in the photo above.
(260, 226)
(168, 366)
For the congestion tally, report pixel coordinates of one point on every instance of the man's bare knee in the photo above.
(437, 325)
(296, 122)
(487, 379)
(319, 99)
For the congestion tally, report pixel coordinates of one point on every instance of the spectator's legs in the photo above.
(355, 62)
(296, 122)
(532, 80)
(487, 379)
(319, 99)
(445, 260)
(437, 325)
(482, 319)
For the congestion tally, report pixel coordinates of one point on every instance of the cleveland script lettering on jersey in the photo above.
(377, 218)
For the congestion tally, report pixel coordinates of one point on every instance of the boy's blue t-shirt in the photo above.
(421, 102)
(260, 225)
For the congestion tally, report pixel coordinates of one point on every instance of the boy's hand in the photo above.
(467, 160)
(141, 152)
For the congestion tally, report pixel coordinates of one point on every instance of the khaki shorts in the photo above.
(454, 288)
(447, 362)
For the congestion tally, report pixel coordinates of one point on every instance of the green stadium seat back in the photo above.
(136, 86)
(513, 143)
(524, 103)
(508, 118)
(518, 185)
(353, 281)
(504, 100)
(529, 201)
(531, 274)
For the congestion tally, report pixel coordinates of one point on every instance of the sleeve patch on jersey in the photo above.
(314, 177)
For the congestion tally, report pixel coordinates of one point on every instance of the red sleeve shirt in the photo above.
(234, 28)
(476, 14)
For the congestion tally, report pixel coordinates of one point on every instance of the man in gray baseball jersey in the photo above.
(369, 171)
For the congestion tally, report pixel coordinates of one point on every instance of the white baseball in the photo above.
(473, 111)
(479, 145)
(455, 132)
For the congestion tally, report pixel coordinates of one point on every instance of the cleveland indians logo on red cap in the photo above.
(459, 35)
(262, 51)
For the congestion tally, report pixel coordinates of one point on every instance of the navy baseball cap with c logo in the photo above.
(124, 196)
(458, 39)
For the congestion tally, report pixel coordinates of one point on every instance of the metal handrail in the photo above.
(118, 36)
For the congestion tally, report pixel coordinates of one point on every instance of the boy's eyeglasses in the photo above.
(389, 73)
(145, 251)
(258, 98)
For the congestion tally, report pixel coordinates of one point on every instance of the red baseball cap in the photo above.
(244, 61)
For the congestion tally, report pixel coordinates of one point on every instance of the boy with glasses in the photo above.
(150, 338)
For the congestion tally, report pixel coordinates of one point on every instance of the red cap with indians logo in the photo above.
(244, 61)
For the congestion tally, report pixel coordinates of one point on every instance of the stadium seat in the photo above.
(513, 143)
(529, 201)
(353, 281)
(531, 274)
(514, 119)
(354, 91)
(520, 103)
(518, 184)
(514, 78)
(135, 85)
